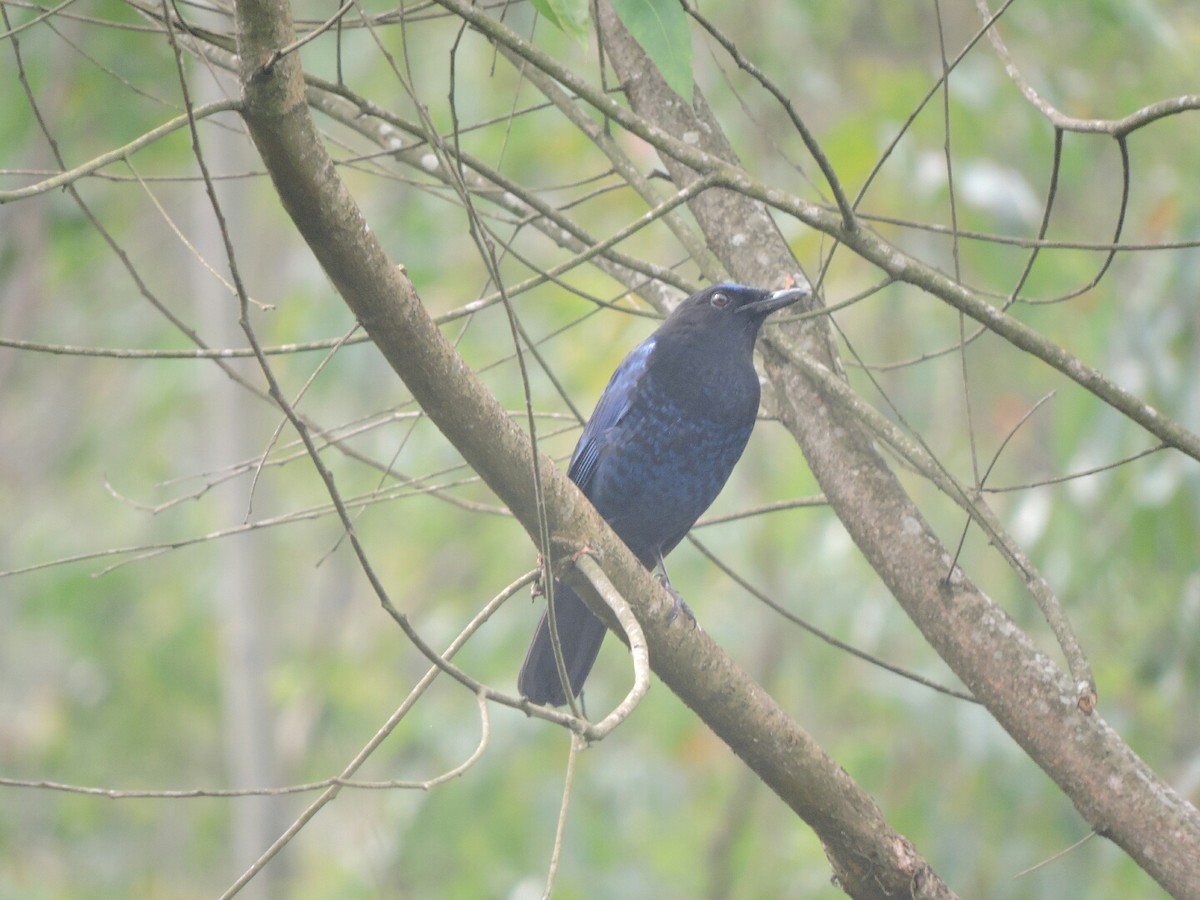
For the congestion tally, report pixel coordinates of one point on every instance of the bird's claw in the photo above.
(539, 583)
(678, 606)
(538, 588)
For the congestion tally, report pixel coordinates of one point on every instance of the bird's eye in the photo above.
(719, 300)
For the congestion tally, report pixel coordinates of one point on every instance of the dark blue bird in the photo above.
(659, 447)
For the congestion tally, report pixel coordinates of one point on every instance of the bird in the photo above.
(659, 447)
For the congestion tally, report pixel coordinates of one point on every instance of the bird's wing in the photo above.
(610, 409)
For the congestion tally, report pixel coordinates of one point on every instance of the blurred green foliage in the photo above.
(116, 670)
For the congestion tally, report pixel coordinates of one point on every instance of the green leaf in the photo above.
(661, 27)
(568, 16)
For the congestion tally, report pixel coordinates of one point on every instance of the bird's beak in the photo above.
(777, 300)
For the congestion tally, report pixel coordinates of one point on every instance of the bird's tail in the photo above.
(579, 633)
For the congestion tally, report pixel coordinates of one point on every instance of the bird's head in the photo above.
(732, 307)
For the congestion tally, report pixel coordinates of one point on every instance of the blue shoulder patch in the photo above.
(610, 409)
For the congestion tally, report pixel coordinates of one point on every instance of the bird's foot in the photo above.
(660, 570)
(538, 588)
(539, 583)
(679, 606)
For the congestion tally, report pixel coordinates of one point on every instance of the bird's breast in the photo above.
(666, 461)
